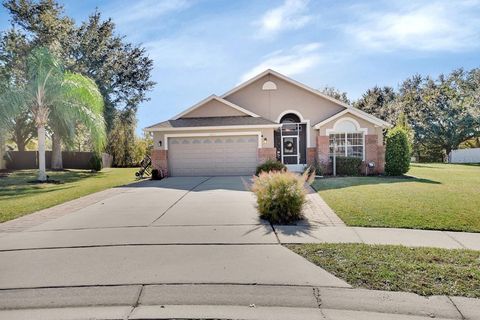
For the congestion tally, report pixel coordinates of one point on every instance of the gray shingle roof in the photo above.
(211, 122)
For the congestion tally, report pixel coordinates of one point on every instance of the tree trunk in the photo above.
(20, 145)
(57, 161)
(42, 173)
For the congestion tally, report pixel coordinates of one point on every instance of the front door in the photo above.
(290, 150)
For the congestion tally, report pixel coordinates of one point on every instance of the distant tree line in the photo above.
(441, 113)
(120, 70)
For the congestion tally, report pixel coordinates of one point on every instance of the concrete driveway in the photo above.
(177, 230)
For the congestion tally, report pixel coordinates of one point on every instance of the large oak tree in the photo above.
(120, 69)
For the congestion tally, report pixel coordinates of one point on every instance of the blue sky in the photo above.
(203, 47)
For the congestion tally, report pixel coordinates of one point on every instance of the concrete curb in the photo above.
(244, 301)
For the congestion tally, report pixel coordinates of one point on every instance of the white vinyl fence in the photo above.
(464, 156)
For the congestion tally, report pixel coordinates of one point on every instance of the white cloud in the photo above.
(291, 15)
(440, 25)
(145, 10)
(291, 62)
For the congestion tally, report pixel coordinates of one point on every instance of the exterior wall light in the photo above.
(265, 140)
(369, 167)
(160, 143)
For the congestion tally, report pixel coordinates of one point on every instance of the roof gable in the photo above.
(346, 108)
(361, 114)
(214, 106)
(287, 79)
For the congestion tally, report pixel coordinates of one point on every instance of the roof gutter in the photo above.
(256, 126)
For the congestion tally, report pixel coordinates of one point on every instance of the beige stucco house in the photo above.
(267, 117)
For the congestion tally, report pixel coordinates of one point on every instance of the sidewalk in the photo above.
(387, 236)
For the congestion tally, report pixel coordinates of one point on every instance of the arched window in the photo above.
(269, 85)
(348, 138)
(290, 118)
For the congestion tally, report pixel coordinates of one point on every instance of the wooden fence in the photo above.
(17, 160)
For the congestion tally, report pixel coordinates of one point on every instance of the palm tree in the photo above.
(83, 104)
(56, 97)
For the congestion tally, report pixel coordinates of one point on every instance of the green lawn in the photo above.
(425, 271)
(18, 197)
(435, 196)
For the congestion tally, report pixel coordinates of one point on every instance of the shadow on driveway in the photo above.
(197, 184)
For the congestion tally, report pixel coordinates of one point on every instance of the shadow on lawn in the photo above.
(18, 183)
(466, 164)
(426, 166)
(345, 182)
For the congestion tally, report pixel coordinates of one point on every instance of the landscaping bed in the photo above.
(19, 197)
(425, 271)
(434, 196)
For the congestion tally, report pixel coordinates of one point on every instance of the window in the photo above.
(269, 85)
(348, 144)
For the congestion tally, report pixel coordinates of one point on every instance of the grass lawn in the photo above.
(425, 271)
(18, 197)
(435, 196)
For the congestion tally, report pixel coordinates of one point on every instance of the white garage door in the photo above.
(212, 156)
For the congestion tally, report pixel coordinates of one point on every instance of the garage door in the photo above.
(212, 156)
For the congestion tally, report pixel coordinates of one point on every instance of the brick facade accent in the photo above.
(373, 152)
(381, 159)
(265, 154)
(160, 161)
(322, 152)
(311, 155)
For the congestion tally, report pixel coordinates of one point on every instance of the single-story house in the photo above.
(267, 117)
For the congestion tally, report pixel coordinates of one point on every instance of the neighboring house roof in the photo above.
(212, 123)
(219, 99)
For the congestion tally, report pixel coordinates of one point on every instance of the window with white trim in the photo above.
(349, 144)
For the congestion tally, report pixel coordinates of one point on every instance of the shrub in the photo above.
(280, 196)
(397, 152)
(309, 174)
(318, 167)
(156, 174)
(270, 165)
(348, 166)
(95, 162)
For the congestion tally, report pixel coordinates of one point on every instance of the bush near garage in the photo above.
(348, 166)
(397, 152)
(156, 174)
(280, 196)
(270, 165)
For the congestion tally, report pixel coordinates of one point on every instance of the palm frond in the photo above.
(81, 100)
